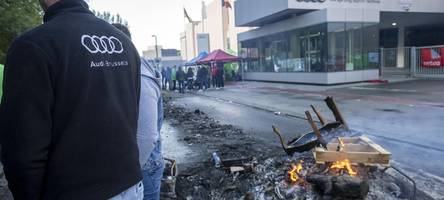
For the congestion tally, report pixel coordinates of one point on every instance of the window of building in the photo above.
(274, 53)
(228, 43)
(296, 61)
(314, 46)
(249, 52)
(327, 47)
(370, 45)
(354, 46)
(336, 47)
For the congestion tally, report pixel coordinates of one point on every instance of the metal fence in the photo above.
(396, 61)
(428, 62)
(420, 62)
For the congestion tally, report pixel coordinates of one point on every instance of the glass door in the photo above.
(311, 51)
(305, 52)
(315, 42)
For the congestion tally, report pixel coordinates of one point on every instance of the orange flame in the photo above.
(345, 164)
(294, 177)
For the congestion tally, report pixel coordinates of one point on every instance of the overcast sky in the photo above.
(163, 18)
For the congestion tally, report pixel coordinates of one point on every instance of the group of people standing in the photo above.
(193, 78)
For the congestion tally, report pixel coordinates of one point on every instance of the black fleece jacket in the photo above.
(69, 111)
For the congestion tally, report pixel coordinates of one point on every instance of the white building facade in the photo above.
(166, 57)
(331, 41)
(216, 30)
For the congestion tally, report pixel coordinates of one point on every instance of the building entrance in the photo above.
(311, 51)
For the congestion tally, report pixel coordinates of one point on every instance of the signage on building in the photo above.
(373, 57)
(432, 57)
(340, 1)
(406, 4)
(356, 1)
(321, 1)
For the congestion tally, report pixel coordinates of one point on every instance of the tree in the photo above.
(110, 18)
(17, 16)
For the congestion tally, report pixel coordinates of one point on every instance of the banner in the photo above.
(432, 57)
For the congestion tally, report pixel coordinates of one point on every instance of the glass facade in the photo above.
(327, 47)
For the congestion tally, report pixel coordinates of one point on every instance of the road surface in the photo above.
(405, 118)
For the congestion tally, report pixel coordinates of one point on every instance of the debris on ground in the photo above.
(310, 140)
(273, 174)
(169, 179)
(248, 168)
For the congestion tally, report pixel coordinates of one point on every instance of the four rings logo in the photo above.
(321, 1)
(103, 44)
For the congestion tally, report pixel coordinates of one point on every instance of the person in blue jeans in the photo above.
(190, 78)
(149, 126)
(148, 133)
(133, 193)
(181, 77)
(164, 81)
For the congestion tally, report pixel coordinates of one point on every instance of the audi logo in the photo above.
(320, 1)
(103, 44)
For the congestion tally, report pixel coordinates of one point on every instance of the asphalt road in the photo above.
(252, 120)
(405, 118)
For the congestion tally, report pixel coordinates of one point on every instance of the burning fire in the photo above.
(294, 173)
(345, 164)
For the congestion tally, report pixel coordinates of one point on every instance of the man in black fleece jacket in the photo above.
(68, 116)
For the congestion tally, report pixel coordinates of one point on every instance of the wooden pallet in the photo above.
(358, 150)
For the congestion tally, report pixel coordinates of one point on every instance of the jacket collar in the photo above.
(149, 70)
(63, 6)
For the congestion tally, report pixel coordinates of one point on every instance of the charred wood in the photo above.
(342, 187)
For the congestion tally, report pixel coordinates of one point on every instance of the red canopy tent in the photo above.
(218, 56)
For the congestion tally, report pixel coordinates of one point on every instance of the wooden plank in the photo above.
(374, 145)
(315, 128)
(353, 157)
(320, 117)
(361, 150)
(351, 140)
(336, 112)
(236, 169)
(352, 147)
(279, 134)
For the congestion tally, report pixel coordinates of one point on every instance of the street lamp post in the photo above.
(157, 52)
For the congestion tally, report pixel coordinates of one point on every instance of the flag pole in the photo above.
(204, 15)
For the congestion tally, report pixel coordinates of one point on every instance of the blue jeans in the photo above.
(190, 84)
(133, 193)
(152, 174)
(181, 86)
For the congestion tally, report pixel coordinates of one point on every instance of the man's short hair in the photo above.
(123, 28)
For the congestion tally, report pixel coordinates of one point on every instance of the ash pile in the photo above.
(243, 167)
(287, 177)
